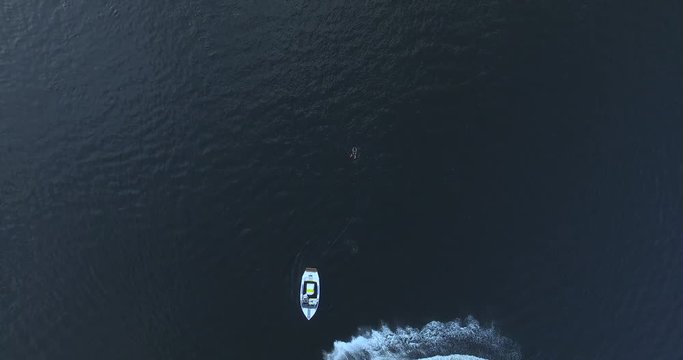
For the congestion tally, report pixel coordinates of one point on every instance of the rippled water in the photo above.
(167, 170)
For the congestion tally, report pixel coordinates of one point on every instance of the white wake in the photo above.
(454, 340)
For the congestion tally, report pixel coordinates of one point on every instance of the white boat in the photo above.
(310, 292)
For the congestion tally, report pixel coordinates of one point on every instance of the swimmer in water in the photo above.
(354, 153)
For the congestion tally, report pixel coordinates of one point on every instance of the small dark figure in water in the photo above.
(354, 153)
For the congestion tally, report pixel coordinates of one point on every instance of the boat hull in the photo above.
(309, 292)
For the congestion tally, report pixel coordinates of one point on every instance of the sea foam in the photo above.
(454, 340)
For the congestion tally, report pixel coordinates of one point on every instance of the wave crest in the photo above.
(454, 340)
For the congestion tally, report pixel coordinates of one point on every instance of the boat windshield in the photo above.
(310, 289)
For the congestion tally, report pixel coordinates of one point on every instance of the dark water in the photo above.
(167, 170)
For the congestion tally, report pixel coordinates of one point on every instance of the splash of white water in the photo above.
(454, 340)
